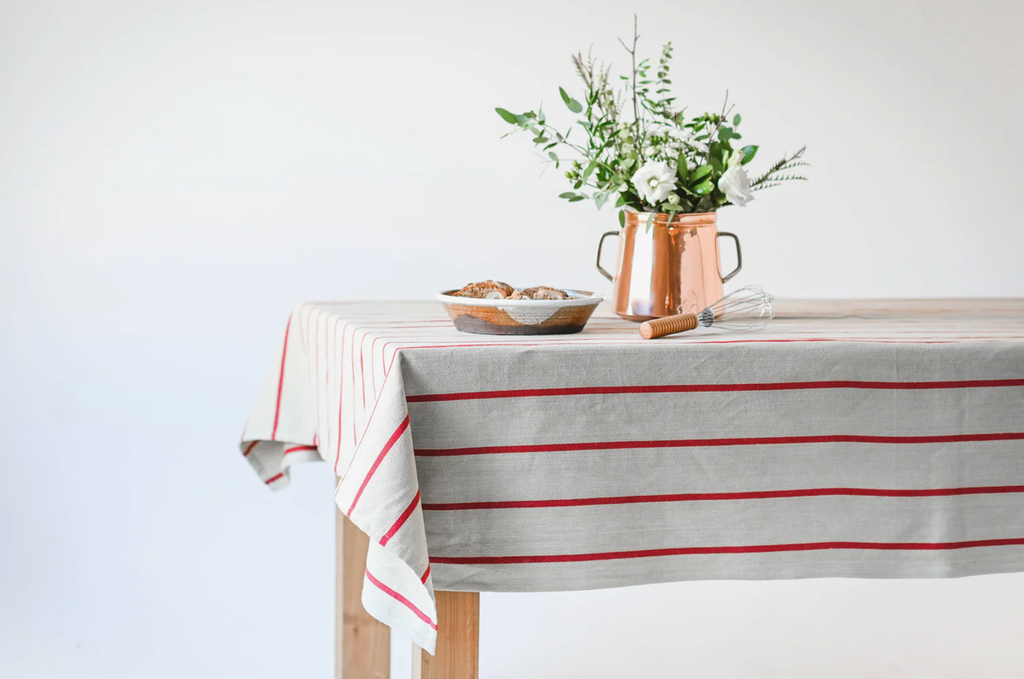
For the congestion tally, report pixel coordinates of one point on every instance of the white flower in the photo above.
(654, 181)
(734, 182)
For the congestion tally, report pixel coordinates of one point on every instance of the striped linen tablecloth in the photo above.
(851, 439)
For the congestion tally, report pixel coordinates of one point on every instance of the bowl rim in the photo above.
(587, 298)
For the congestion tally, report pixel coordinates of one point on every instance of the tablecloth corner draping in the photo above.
(293, 421)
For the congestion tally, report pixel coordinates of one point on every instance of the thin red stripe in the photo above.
(297, 448)
(341, 391)
(362, 371)
(352, 366)
(401, 599)
(316, 359)
(401, 520)
(694, 443)
(690, 388)
(280, 379)
(273, 478)
(248, 448)
(702, 497)
(740, 549)
(426, 574)
(380, 458)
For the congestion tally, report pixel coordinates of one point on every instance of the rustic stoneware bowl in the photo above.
(520, 316)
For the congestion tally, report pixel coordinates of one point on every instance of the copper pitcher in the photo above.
(666, 269)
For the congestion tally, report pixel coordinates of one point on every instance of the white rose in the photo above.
(735, 183)
(654, 181)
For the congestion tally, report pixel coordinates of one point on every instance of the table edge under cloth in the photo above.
(285, 430)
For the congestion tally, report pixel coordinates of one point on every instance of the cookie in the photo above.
(486, 290)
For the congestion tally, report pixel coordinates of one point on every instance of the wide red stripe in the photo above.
(274, 478)
(297, 448)
(380, 458)
(248, 448)
(280, 379)
(738, 549)
(701, 497)
(401, 520)
(692, 388)
(694, 443)
(402, 600)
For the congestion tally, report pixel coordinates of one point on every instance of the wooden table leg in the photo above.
(362, 645)
(458, 639)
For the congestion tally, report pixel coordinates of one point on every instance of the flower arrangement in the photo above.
(654, 158)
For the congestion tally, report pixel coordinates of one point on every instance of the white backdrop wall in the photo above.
(174, 176)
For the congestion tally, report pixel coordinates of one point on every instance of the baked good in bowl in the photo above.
(540, 310)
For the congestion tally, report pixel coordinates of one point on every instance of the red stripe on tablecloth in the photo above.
(352, 366)
(401, 520)
(687, 388)
(297, 448)
(376, 463)
(426, 574)
(316, 358)
(738, 549)
(248, 448)
(401, 599)
(362, 371)
(280, 379)
(695, 443)
(365, 429)
(273, 478)
(702, 497)
(341, 391)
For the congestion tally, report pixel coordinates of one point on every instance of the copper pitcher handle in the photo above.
(600, 245)
(739, 254)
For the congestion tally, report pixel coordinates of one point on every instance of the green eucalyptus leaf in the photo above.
(567, 195)
(681, 169)
(704, 187)
(552, 156)
(622, 218)
(577, 198)
(591, 166)
(573, 105)
(736, 120)
(748, 153)
(508, 116)
(699, 173)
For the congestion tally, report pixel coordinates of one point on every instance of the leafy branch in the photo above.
(656, 161)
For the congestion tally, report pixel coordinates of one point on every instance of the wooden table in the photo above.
(980, 344)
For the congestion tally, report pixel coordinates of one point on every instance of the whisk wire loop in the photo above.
(748, 308)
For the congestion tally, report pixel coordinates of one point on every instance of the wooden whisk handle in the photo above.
(669, 325)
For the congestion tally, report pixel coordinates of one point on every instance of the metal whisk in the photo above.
(744, 310)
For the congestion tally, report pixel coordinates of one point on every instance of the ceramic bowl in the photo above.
(520, 316)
